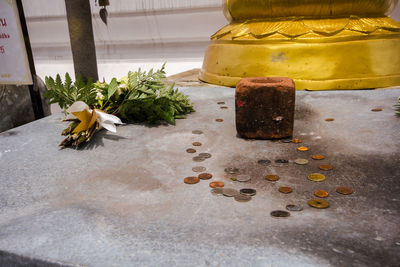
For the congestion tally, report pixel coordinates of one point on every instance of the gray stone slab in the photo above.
(121, 201)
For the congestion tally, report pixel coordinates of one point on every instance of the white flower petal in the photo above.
(76, 107)
(109, 126)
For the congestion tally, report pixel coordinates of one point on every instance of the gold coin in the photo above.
(196, 144)
(376, 109)
(321, 193)
(316, 177)
(302, 148)
(318, 157)
(272, 177)
(318, 203)
(297, 141)
(219, 120)
(205, 176)
(325, 167)
(285, 190)
(217, 184)
(329, 119)
(191, 180)
(191, 150)
(345, 190)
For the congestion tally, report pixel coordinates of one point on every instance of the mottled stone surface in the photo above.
(265, 107)
(121, 201)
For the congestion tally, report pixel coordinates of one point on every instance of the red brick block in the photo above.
(265, 107)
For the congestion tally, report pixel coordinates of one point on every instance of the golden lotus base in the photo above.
(351, 58)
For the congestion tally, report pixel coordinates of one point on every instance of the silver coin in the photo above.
(264, 162)
(198, 159)
(242, 178)
(242, 198)
(231, 170)
(280, 213)
(216, 191)
(301, 161)
(292, 207)
(286, 141)
(281, 161)
(205, 155)
(199, 169)
(248, 191)
(197, 132)
(229, 192)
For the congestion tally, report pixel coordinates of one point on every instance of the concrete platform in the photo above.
(121, 201)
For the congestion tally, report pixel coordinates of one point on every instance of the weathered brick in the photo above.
(265, 107)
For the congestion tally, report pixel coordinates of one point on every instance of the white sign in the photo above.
(14, 66)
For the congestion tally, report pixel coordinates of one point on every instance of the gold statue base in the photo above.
(318, 54)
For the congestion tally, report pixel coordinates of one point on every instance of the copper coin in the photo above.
(217, 184)
(248, 191)
(224, 107)
(197, 132)
(297, 141)
(264, 161)
(285, 190)
(242, 198)
(196, 144)
(221, 103)
(280, 213)
(316, 177)
(230, 192)
(302, 148)
(321, 193)
(231, 170)
(325, 167)
(318, 203)
(205, 176)
(376, 109)
(219, 120)
(216, 191)
(281, 161)
(318, 157)
(198, 169)
(301, 161)
(329, 119)
(205, 155)
(272, 177)
(198, 159)
(191, 150)
(292, 207)
(344, 190)
(191, 180)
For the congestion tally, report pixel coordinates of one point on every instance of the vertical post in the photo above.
(79, 18)
(36, 99)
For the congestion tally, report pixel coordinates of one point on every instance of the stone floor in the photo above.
(121, 200)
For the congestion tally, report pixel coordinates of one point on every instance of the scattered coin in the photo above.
(219, 120)
(217, 184)
(301, 161)
(191, 180)
(230, 192)
(248, 191)
(216, 191)
(285, 141)
(272, 177)
(231, 170)
(205, 155)
(302, 148)
(280, 213)
(198, 169)
(285, 190)
(329, 119)
(198, 159)
(191, 150)
(297, 141)
(197, 132)
(318, 157)
(264, 162)
(196, 144)
(281, 161)
(221, 103)
(316, 177)
(242, 198)
(321, 193)
(345, 190)
(318, 203)
(205, 176)
(292, 207)
(224, 107)
(325, 167)
(376, 109)
(242, 178)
